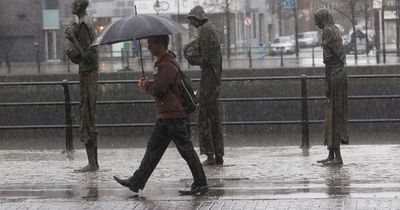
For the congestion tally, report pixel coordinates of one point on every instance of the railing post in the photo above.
(68, 65)
(377, 51)
(8, 64)
(127, 60)
(305, 137)
(249, 56)
(122, 57)
(313, 58)
(38, 63)
(69, 145)
(281, 56)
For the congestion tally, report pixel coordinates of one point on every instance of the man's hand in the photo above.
(143, 82)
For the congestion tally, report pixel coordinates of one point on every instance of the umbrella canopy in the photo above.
(138, 27)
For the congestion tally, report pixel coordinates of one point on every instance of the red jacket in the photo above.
(165, 88)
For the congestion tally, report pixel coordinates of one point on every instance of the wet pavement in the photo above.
(252, 178)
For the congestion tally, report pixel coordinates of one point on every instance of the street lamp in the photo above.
(157, 6)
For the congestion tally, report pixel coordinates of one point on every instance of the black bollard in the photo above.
(305, 137)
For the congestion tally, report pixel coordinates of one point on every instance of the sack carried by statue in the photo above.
(192, 53)
(73, 54)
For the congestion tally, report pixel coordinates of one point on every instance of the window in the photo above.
(50, 4)
(120, 4)
(330, 6)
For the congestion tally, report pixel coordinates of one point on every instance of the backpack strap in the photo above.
(179, 75)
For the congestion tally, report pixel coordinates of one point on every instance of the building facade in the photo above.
(21, 37)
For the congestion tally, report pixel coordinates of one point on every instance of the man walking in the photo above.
(171, 121)
(210, 61)
(81, 35)
(336, 117)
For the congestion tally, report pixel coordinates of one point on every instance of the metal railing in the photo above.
(241, 57)
(303, 98)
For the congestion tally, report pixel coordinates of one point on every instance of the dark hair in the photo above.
(162, 39)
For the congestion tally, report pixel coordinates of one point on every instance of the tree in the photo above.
(351, 9)
(223, 5)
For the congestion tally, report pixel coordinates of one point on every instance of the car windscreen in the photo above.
(281, 40)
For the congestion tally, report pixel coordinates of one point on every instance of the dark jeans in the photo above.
(164, 131)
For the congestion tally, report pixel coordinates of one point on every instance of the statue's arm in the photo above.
(70, 35)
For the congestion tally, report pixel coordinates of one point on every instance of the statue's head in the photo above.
(323, 18)
(197, 16)
(79, 6)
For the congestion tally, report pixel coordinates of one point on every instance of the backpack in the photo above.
(188, 95)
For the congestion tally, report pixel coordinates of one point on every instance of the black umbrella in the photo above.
(137, 27)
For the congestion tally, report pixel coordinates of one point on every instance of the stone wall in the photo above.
(232, 111)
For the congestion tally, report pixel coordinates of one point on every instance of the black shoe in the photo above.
(193, 191)
(219, 160)
(127, 183)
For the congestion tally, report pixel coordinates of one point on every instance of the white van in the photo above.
(309, 39)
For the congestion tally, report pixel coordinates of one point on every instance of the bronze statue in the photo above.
(336, 116)
(205, 51)
(80, 36)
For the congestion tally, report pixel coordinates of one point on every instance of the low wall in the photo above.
(248, 135)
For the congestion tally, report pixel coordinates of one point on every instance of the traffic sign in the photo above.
(247, 21)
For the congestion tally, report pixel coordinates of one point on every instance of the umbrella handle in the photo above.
(140, 49)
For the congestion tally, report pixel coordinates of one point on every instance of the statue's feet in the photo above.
(334, 162)
(325, 160)
(209, 162)
(88, 168)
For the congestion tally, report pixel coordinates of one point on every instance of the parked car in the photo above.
(309, 39)
(361, 38)
(286, 44)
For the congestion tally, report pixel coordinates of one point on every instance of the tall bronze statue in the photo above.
(205, 51)
(336, 116)
(80, 36)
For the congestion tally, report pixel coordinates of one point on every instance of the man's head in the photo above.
(197, 16)
(323, 18)
(158, 45)
(79, 6)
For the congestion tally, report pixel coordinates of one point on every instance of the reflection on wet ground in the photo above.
(251, 174)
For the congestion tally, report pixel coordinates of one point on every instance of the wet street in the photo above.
(252, 178)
